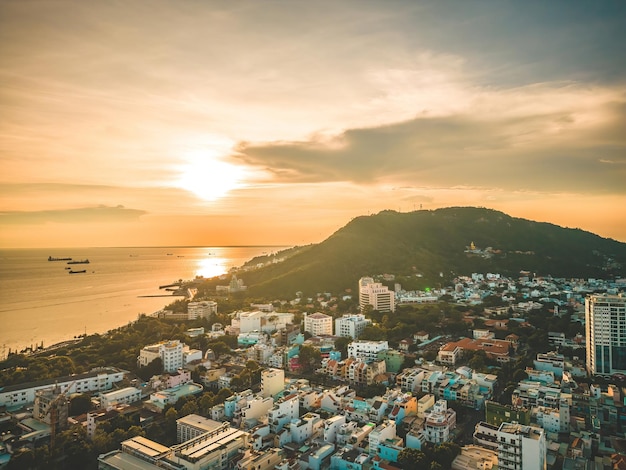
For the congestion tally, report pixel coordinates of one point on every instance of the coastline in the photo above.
(41, 303)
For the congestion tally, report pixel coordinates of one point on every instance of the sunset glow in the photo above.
(209, 123)
(208, 177)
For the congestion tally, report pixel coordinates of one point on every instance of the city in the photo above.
(279, 387)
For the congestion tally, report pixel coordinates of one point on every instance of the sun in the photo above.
(209, 177)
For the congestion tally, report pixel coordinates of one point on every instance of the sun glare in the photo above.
(208, 177)
(211, 267)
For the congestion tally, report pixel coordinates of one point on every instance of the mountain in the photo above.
(431, 247)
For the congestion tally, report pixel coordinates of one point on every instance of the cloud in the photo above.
(79, 215)
(532, 149)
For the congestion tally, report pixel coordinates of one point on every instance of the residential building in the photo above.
(272, 382)
(201, 309)
(381, 433)
(605, 334)
(283, 412)
(521, 447)
(170, 352)
(331, 426)
(351, 325)
(367, 350)
(318, 324)
(439, 422)
(191, 426)
(256, 460)
(375, 294)
(126, 395)
(97, 380)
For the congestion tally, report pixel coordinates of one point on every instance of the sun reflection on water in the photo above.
(211, 267)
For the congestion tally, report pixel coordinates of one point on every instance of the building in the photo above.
(170, 352)
(318, 324)
(216, 449)
(375, 294)
(439, 422)
(272, 382)
(257, 320)
(255, 460)
(605, 334)
(126, 395)
(201, 309)
(381, 433)
(521, 447)
(367, 350)
(98, 380)
(51, 406)
(351, 325)
(283, 412)
(191, 426)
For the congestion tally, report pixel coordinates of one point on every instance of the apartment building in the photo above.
(318, 324)
(375, 294)
(351, 325)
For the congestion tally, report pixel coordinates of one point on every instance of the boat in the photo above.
(77, 272)
(50, 258)
(79, 261)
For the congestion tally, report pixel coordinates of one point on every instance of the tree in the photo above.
(309, 358)
(412, 458)
(80, 404)
(155, 367)
(341, 344)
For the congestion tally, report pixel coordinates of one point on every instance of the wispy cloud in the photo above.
(69, 216)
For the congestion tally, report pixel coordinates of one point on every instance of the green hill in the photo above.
(432, 247)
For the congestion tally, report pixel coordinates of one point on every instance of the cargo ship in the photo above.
(50, 258)
(79, 261)
(78, 272)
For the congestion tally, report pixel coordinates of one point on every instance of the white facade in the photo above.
(95, 381)
(375, 294)
(170, 352)
(272, 382)
(124, 396)
(284, 411)
(605, 334)
(381, 433)
(262, 321)
(255, 408)
(331, 426)
(318, 324)
(367, 350)
(521, 447)
(351, 325)
(439, 422)
(201, 309)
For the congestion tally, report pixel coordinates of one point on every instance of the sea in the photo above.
(42, 303)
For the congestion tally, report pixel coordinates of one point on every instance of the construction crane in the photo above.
(53, 412)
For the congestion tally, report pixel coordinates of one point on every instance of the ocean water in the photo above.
(41, 302)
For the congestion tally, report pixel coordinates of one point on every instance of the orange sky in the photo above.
(254, 123)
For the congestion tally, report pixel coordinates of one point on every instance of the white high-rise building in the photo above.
(170, 352)
(521, 447)
(351, 325)
(318, 324)
(375, 294)
(605, 332)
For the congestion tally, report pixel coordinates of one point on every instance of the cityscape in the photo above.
(328, 235)
(300, 384)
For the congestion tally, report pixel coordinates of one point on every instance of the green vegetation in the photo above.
(118, 348)
(430, 457)
(427, 248)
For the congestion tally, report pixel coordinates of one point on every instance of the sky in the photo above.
(206, 123)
